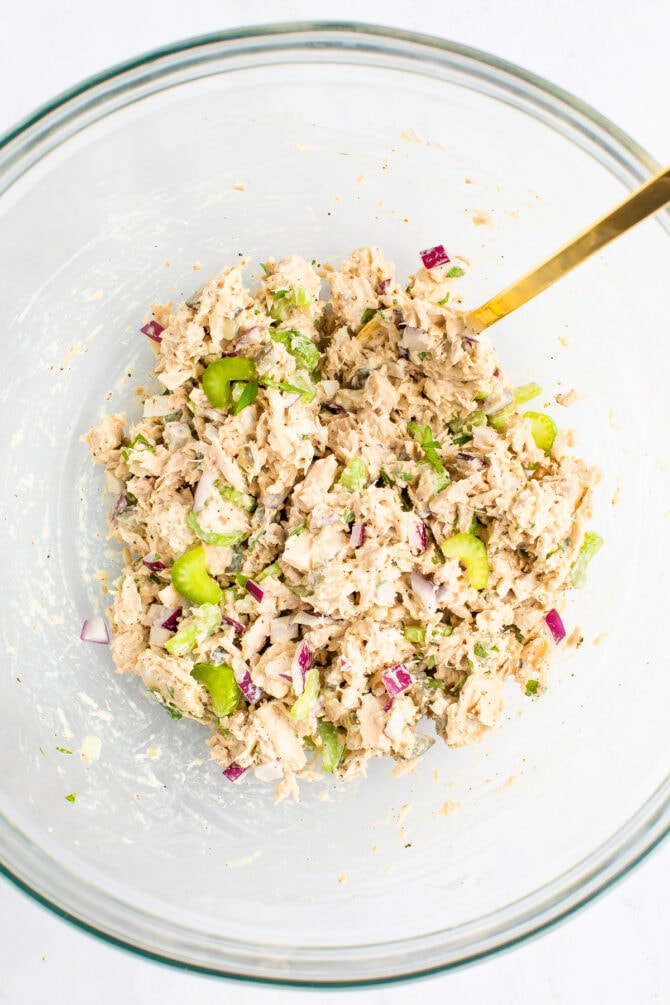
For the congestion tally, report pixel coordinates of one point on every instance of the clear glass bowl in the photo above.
(340, 136)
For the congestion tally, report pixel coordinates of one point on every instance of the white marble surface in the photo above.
(614, 55)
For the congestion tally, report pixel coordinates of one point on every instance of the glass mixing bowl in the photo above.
(317, 139)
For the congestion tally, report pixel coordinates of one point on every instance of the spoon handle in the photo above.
(641, 203)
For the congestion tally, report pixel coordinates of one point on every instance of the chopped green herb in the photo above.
(433, 682)
(442, 631)
(444, 300)
(348, 516)
(480, 651)
(139, 443)
(264, 268)
(592, 543)
(212, 537)
(299, 384)
(531, 687)
(455, 272)
(283, 300)
(431, 663)
(298, 529)
(424, 437)
(43, 752)
(71, 797)
(369, 313)
(405, 475)
(279, 294)
(385, 478)
(354, 478)
(272, 570)
(63, 750)
(156, 579)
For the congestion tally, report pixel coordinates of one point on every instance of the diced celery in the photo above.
(332, 747)
(299, 346)
(202, 623)
(592, 543)
(191, 579)
(415, 633)
(221, 684)
(219, 375)
(354, 478)
(228, 539)
(526, 392)
(543, 428)
(307, 702)
(241, 499)
(472, 553)
(248, 395)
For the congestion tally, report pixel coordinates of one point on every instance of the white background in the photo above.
(614, 55)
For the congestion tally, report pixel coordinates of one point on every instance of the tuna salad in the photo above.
(339, 520)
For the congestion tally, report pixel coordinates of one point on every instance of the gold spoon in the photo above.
(641, 203)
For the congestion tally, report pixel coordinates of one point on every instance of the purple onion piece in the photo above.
(254, 589)
(333, 407)
(555, 625)
(357, 535)
(302, 664)
(396, 680)
(383, 285)
(443, 593)
(418, 537)
(154, 566)
(153, 330)
(172, 619)
(121, 504)
(286, 676)
(471, 340)
(433, 257)
(240, 629)
(95, 630)
(424, 590)
(233, 772)
(251, 691)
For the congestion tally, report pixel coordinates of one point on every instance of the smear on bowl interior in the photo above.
(339, 519)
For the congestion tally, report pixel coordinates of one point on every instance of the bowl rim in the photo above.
(71, 111)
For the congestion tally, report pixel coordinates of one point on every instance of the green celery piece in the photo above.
(221, 684)
(299, 346)
(241, 499)
(592, 543)
(499, 419)
(472, 553)
(531, 687)
(272, 570)
(200, 625)
(415, 633)
(306, 703)
(299, 384)
(191, 579)
(442, 631)
(480, 651)
(543, 428)
(332, 747)
(354, 478)
(283, 299)
(211, 537)
(455, 272)
(526, 392)
(219, 375)
(249, 394)
(71, 797)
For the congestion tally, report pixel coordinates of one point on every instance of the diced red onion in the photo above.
(251, 691)
(95, 630)
(240, 629)
(204, 487)
(424, 590)
(154, 565)
(418, 537)
(433, 257)
(302, 664)
(396, 679)
(414, 339)
(158, 635)
(333, 407)
(233, 772)
(555, 625)
(157, 613)
(383, 285)
(254, 589)
(286, 676)
(357, 535)
(443, 593)
(153, 331)
(171, 622)
(121, 504)
(471, 340)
